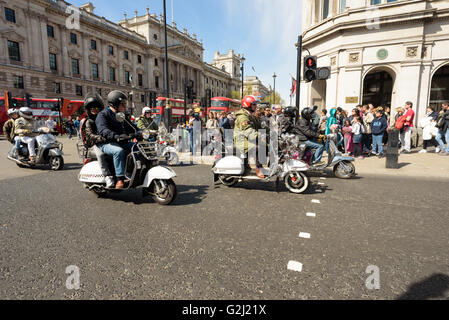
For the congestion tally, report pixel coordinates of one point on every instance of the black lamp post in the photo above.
(167, 110)
(242, 68)
(274, 79)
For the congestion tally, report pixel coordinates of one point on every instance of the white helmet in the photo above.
(26, 113)
(12, 111)
(145, 110)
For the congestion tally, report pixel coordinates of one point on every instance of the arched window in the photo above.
(439, 91)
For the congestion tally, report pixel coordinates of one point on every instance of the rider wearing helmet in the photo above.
(306, 133)
(116, 132)
(8, 127)
(93, 104)
(146, 120)
(245, 131)
(23, 127)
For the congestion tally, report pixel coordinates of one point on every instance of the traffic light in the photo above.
(28, 99)
(323, 73)
(208, 97)
(310, 68)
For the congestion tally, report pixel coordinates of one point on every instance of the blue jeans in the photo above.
(440, 136)
(319, 150)
(377, 142)
(118, 152)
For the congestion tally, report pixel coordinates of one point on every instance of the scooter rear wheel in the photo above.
(229, 182)
(298, 183)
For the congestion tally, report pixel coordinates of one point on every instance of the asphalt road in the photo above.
(222, 243)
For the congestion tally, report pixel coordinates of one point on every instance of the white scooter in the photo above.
(165, 149)
(142, 171)
(231, 169)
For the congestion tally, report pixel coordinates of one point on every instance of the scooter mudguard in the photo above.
(230, 165)
(158, 173)
(338, 159)
(55, 152)
(169, 149)
(295, 165)
(91, 173)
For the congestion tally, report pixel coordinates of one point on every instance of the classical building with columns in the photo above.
(384, 52)
(52, 49)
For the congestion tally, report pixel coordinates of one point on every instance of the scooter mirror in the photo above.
(120, 117)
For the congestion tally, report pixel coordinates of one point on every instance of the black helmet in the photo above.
(93, 101)
(290, 112)
(307, 113)
(116, 97)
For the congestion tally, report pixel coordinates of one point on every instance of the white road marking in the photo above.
(315, 201)
(294, 266)
(322, 178)
(318, 190)
(304, 235)
(321, 183)
(311, 214)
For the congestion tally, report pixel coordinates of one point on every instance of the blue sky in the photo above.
(264, 30)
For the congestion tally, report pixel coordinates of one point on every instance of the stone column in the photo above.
(45, 51)
(86, 63)
(104, 55)
(135, 81)
(64, 52)
(148, 73)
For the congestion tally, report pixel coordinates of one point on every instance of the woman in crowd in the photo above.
(357, 137)
(347, 134)
(429, 130)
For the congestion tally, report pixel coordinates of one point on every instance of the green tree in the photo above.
(274, 96)
(236, 95)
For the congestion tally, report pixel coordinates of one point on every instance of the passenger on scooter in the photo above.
(245, 132)
(117, 134)
(8, 129)
(147, 121)
(305, 133)
(93, 104)
(23, 127)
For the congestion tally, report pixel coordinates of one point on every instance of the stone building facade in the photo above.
(51, 49)
(253, 84)
(384, 52)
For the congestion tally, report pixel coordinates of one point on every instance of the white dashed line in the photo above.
(304, 235)
(321, 183)
(311, 214)
(316, 201)
(318, 190)
(294, 266)
(322, 178)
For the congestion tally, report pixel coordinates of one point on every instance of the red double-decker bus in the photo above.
(42, 108)
(220, 104)
(177, 107)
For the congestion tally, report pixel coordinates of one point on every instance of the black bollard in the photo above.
(392, 155)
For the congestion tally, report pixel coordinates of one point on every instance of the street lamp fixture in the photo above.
(274, 87)
(242, 68)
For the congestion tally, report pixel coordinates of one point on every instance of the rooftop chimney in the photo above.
(89, 7)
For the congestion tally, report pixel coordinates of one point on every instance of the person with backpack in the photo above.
(442, 123)
(93, 104)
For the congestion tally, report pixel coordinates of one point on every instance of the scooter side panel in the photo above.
(55, 152)
(169, 149)
(229, 165)
(295, 165)
(91, 173)
(158, 173)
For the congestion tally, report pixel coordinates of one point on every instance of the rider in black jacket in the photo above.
(117, 134)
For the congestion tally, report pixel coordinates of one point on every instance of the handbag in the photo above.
(357, 138)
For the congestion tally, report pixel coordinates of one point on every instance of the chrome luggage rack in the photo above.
(148, 149)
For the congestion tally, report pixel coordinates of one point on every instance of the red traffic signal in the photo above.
(310, 72)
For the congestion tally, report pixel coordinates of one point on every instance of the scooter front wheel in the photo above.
(344, 170)
(56, 163)
(164, 193)
(296, 182)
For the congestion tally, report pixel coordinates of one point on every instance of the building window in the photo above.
(52, 58)
(79, 90)
(10, 15)
(50, 31)
(127, 77)
(155, 62)
(13, 50)
(139, 59)
(56, 87)
(391, 0)
(374, 2)
(93, 45)
(140, 79)
(75, 66)
(325, 9)
(95, 71)
(125, 54)
(111, 50)
(73, 38)
(111, 74)
(342, 5)
(18, 82)
(142, 98)
(155, 36)
(156, 82)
